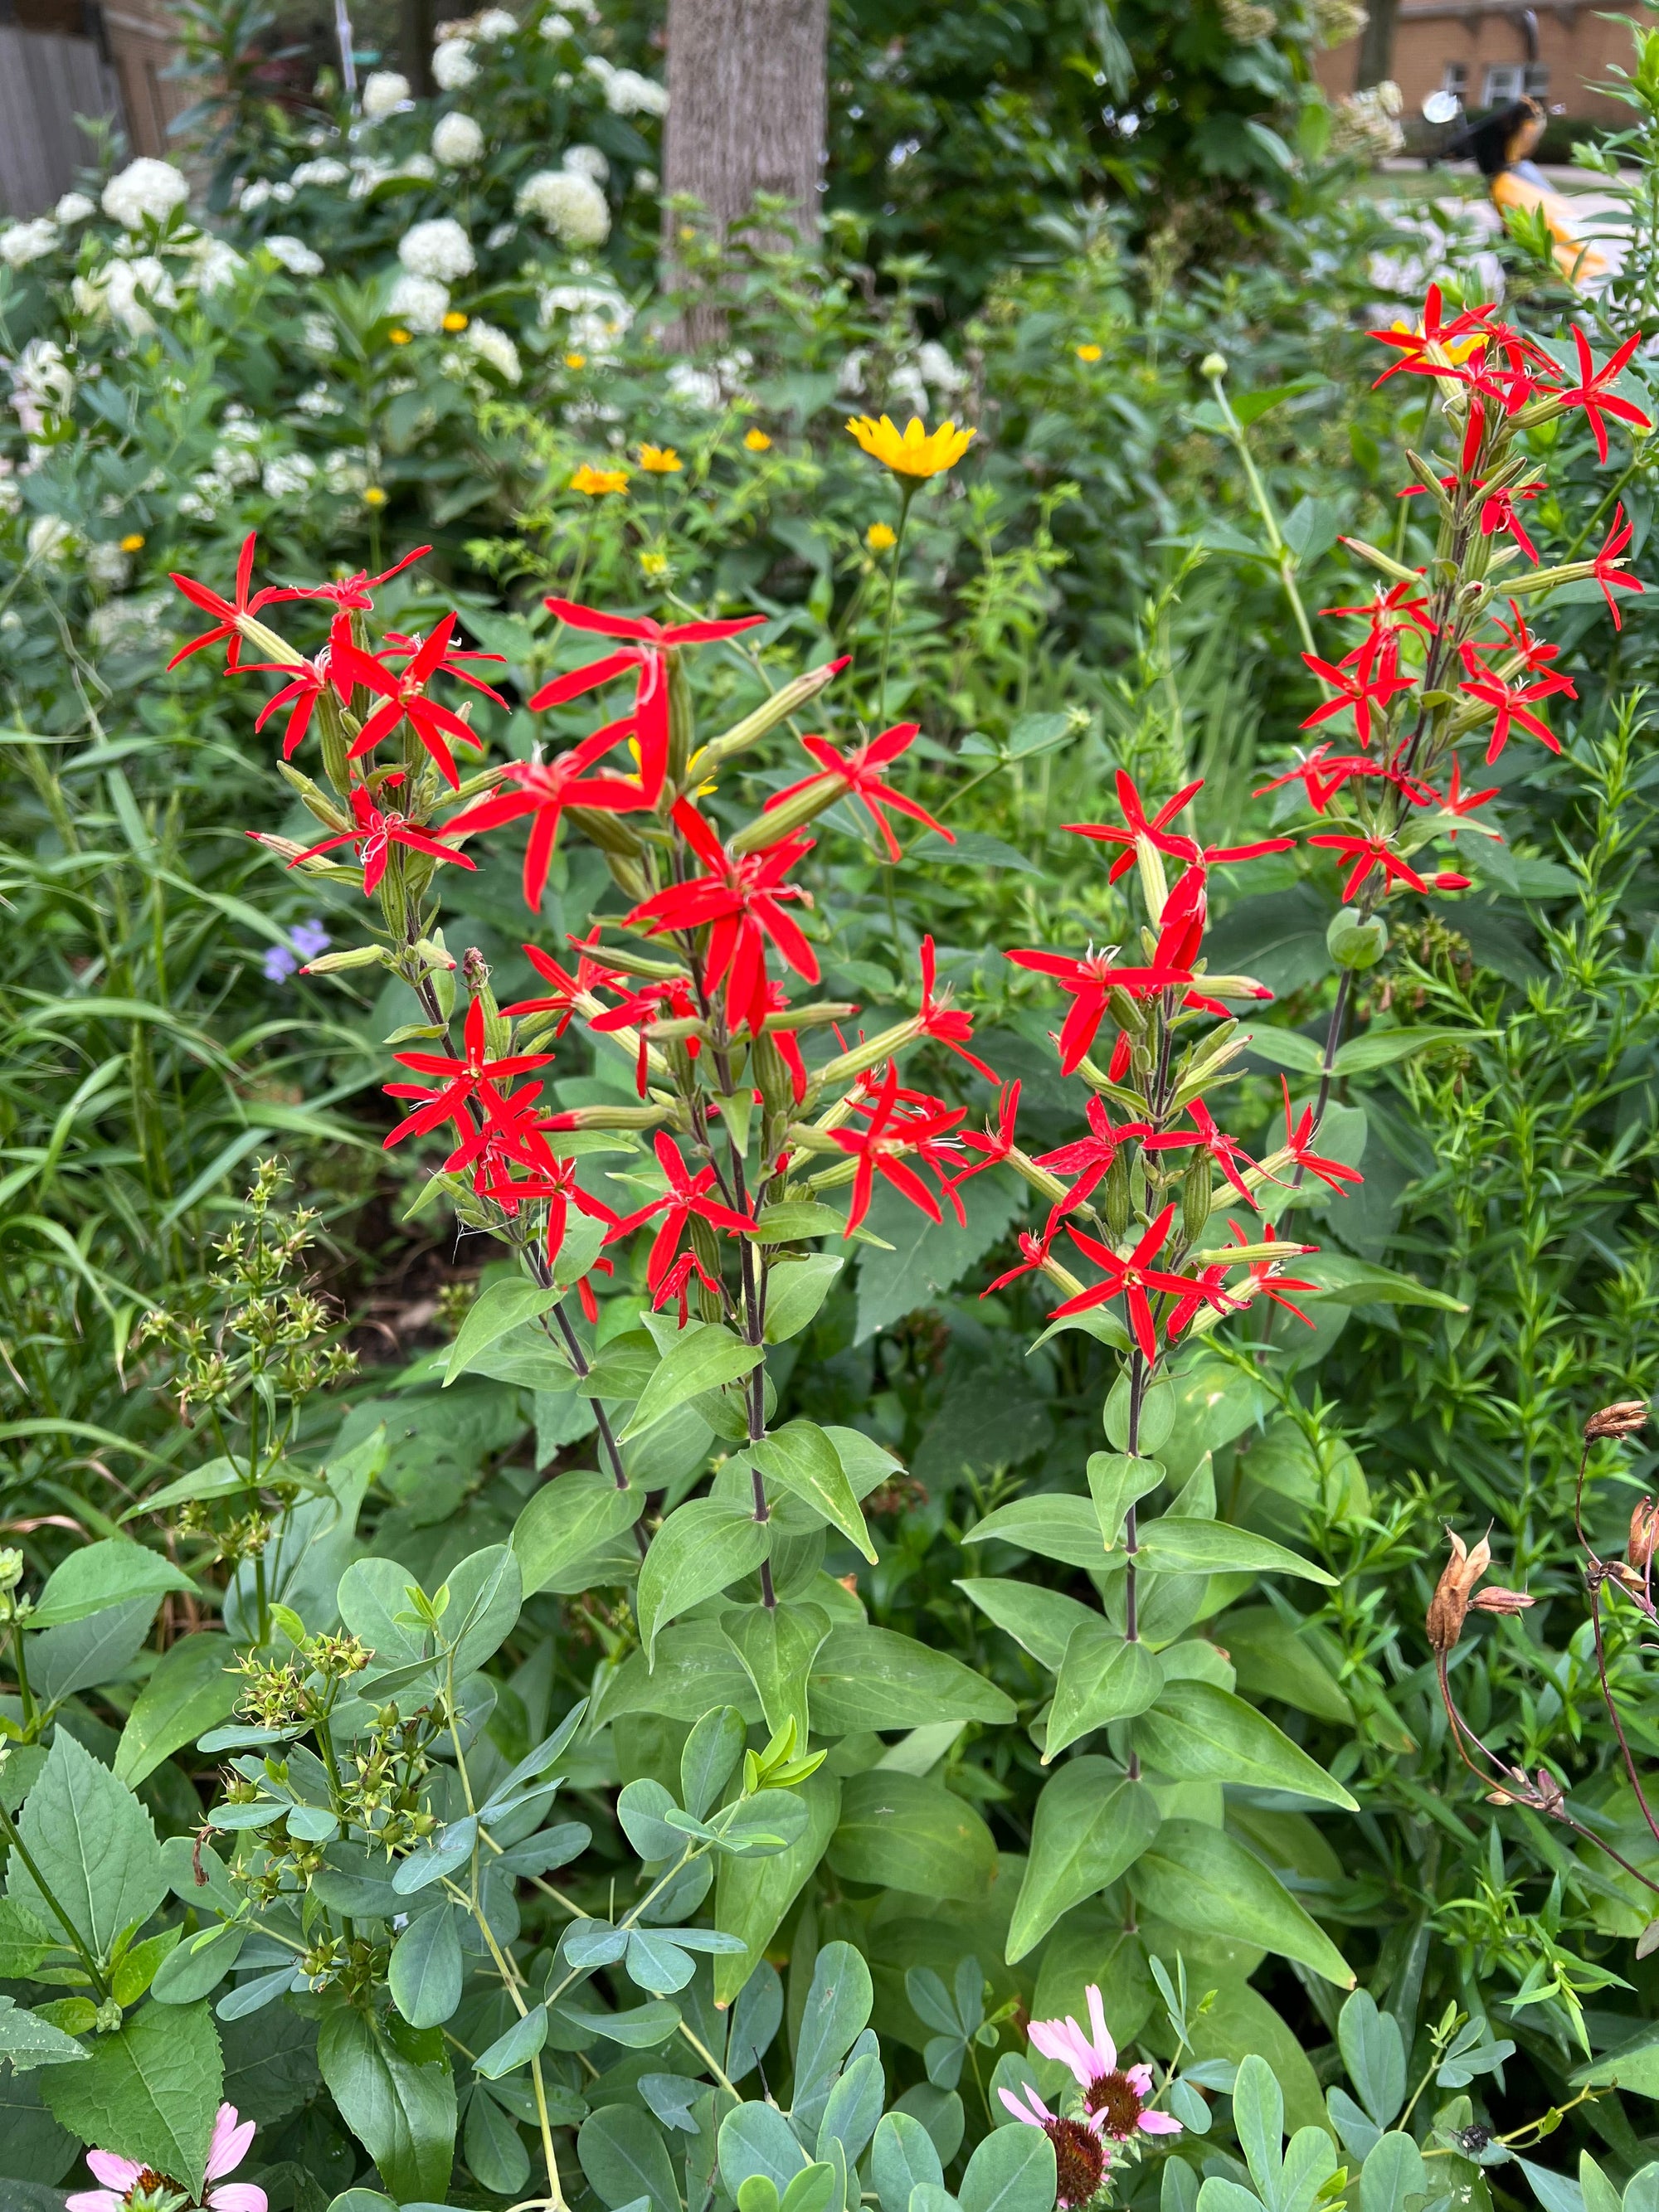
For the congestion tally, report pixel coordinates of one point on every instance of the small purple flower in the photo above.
(307, 939)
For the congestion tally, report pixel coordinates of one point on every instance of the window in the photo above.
(1455, 79)
(1508, 81)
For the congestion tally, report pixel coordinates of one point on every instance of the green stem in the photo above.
(1283, 558)
(907, 493)
(25, 1694)
(1589, 528)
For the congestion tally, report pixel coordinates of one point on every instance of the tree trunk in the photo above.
(416, 19)
(746, 113)
(1376, 43)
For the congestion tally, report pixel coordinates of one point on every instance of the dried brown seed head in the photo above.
(1623, 1420)
(1450, 1601)
(1644, 1532)
(1497, 1600)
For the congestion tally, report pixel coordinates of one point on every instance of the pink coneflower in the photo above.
(1115, 2099)
(126, 2183)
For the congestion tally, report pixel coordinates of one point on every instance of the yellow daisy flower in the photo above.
(575, 361)
(881, 537)
(654, 565)
(660, 460)
(597, 482)
(400, 337)
(133, 542)
(757, 442)
(375, 496)
(455, 320)
(916, 451)
(1091, 352)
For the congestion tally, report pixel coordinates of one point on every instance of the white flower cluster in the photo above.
(129, 625)
(218, 265)
(708, 389)
(457, 143)
(495, 347)
(438, 249)
(234, 463)
(626, 92)
(587, 161)
(288, 475)
(295, 255)
(1367, 124)
(41, 377)
(453, 66)
(345, 472)
(145, 191)
(52, 540)
(261, 192)
(554, 27)
(495, 25)
(599, 318)
(384, 94)
(420, 303)
(327, 171)
(127, 291)
(568, 204)
(23, 242)
(107, 567)
(73, 208)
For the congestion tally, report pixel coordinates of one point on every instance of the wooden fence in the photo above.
(46, 80)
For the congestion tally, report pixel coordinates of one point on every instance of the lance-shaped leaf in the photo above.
(568, 1520)
(1053, 1524)
(1175, 1545)
(705, 1357)
(112, 1572)
(752, 1894)
(777, 1644)
(1117, 1480)
(702, 1547)
(1198, 1732)
(801, 1458)
(1102, 1678)
(1040, 1620)
(496, 1309)
(1093, 1823)
(1201, 1878)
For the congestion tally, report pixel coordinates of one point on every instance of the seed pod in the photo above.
(1195, 1199)
(1116, 1198)
(1644, 1531)
(1624, 1419)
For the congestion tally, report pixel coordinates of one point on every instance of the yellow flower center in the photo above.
(398, 337)
(575, 361)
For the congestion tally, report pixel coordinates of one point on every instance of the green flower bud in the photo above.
(1213, 365)
(1354, 942)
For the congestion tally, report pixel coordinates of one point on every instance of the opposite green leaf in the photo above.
(92, 1843)
(897, 1832)
(397, 2094)
(1197, 1732)
(570, 1519)
(1092, 1824)
(777, 1644)
(1053, 1523)
(801, 1459)
(1040, 1620)
(703, 1547)
(149, 2092)
(1102, 1678)
(705, 1357)
(1201, 1878)
(189, 1690)
(501, 1307)
(752, 1895)
(1180, 1546)
(107, 1573)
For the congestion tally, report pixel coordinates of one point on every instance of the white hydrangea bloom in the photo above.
(457, 141)
(438, 249)
(417, 165)
(289, 475)
(295, 255)
(217, 265)
(74, 207)
(145, 188)
(587, 161)
(131, 288)
(556, 26)
(938, 369)
(107, 566)
(571, 206)
(495, 25)
(262, 192)
(324, 172)
(23, 242)
(317, 335)
(384, 92)
(419, 302)
(453, 66)
(52, 540)
(495, 347)
(42, 372)
(626, 92)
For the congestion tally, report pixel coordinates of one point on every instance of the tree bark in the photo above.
(1376, 43)
(746, 111)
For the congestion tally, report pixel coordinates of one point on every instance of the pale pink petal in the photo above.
(229, 2146)
(236, 2196)
(1158, 2124)
(1031, 2119)
(1139, 2079)
(93, 2200)
(1079, 2053)
(1048, 2037)
(115, 2173)
(1105, 2049)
